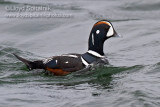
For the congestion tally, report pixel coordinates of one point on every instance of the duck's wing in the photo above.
(68, 63)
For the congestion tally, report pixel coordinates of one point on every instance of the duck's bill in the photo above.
(116, 35)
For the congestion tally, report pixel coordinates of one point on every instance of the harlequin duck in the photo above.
(67, 63)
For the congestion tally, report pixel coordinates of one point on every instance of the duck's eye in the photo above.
(98, 31)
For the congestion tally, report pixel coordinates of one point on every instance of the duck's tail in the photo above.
(31, 65)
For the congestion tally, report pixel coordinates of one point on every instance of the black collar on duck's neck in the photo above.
(98, 48)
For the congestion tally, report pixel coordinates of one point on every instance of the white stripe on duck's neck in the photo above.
(95, 54)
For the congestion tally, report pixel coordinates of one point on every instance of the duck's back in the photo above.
(65, 64)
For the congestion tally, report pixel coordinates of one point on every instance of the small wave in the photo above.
(141, 7)
(6, 2)
(99, 16)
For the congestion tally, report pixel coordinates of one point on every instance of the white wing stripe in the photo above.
(70, 55)
(84, 62)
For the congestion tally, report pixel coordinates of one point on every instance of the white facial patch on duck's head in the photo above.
(110, 31)
(98, 31)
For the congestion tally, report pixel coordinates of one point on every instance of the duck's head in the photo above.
(101, 31)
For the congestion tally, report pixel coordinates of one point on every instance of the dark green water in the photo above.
(132, 79)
